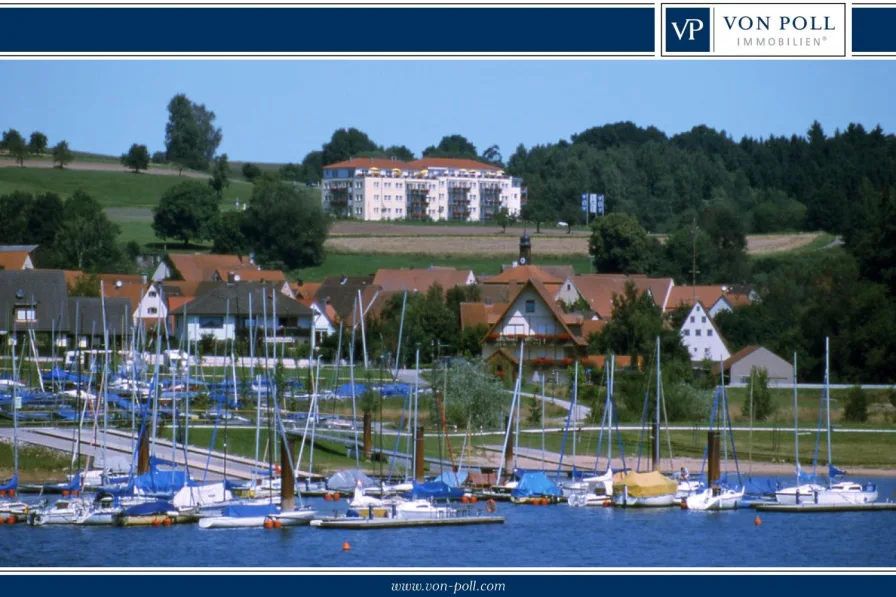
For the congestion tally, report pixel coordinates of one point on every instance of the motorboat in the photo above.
(64, 511)
(591, 491)
(843, 493)
(421, 510)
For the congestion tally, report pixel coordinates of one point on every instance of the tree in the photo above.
(346, 143)
(87, 239)
(226, 234)
(220, 179)
(620, 245)
(87, 285)
(493, 155)
(452, 146)
(159, 157)
(14, 209)
(473, 395)
(14, 143)
(62, 154)
(285, 223)
(291, 172)
(400, 152)
(191, 138)
(137, 158)
(251, 171)
(37, 144)
(856, 410)
(502, 219)
(761, 401)
(184, 212)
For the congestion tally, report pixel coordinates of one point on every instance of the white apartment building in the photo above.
(440, 188)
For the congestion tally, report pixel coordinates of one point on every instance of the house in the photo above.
(598, 290)
(701, 336)
(740, 365)
(422, 279)
(200, 267)
(341, 292)
(325, 320)
(14, 257)
(533, 318)
(229, 309)
(717, 298)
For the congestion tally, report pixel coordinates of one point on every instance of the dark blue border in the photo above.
(874, 29)
(327, 30)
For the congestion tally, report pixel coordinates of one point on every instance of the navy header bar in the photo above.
(360, 31)
(873, 29)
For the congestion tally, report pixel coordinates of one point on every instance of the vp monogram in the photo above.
(691, 26)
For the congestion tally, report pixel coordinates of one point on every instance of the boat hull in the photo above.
(706, 500)
(656, 501)
(826, 497)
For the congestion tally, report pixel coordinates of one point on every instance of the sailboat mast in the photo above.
(253, 337)
(519, 399)
(15, 412)
(543, 400)
(610, 412)
(105, 378)
(796, 426)
(573, 406)
(827, 394)
(656, 439)
(416, 398)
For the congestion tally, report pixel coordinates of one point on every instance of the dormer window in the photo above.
(152, 294)
(27, 315)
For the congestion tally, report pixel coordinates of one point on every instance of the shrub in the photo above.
(856, 410)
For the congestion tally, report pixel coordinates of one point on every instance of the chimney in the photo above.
(143, 279)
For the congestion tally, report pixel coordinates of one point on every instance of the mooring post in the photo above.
(714, 471)
(655, 446)
(287, 478)
(143, 452)
(368, 435)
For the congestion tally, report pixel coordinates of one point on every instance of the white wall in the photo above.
(700, 336)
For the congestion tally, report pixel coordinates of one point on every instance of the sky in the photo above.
(278, 111)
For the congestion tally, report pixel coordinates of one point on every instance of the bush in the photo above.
(251, 171)
(686, 403)
(856, 410)
(763, 406)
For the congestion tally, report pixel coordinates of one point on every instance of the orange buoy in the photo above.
(268, 523)
(156, 522)
(65, 493)
(11, 493)
(2, 493)
(473, 499)
(490, 506)
(2, 521)
(684, 504)
(464, 500)
(328, 497)
(74, 494)
(346, 546)
(166, 521)
(278, 524)
(547, 501)
(757, 521)
(336, 497)
(608, 503)
(11, 520)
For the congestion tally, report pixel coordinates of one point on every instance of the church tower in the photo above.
(525, 250)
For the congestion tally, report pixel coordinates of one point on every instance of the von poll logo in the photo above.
(754, 30)
(687, 29)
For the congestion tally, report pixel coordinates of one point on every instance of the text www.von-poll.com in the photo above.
(470, 586)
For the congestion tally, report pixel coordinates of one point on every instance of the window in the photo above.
(693, 319)
(530, 306)
(704, 319)
(152, 294)
(376, 184)
(687, 332)
(26, 315)
(709, 332)
(152, 310)
(697, 332)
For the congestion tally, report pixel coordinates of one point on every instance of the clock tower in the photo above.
(525, 250)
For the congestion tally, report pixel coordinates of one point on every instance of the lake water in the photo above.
(532, 536)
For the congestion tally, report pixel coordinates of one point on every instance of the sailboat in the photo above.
(844, 493)
(11, 508)
(502, 489)
(650, 489)
(718, 496)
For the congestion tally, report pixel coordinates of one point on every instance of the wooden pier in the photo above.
(397, 523)
(804, 508)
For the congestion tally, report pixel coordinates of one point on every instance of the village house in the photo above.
(14, 257)
(740, 365)
(701, 337)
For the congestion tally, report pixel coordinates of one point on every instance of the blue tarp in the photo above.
(397, 389)
(160, 482)
(435, 490)
(452, 479)
(345, 390)
(149, 508)
(249, 510)
(833, 471)
(10, 485)
(535, 485)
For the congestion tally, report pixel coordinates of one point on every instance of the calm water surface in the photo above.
(531, 536)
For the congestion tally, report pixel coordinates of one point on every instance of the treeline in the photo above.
(15, 145)
(775, 184)
(72, 234)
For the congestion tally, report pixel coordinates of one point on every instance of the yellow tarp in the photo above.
(649, 484)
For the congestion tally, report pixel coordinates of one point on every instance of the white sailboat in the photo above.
(844, 493)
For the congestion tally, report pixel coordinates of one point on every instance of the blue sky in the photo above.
(277, 111)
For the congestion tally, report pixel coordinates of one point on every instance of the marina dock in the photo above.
(805, 508)
(397, 523)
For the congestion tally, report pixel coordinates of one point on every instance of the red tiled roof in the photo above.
(548, 300)
(305, 290)
(13, 259)
(523, 273)
(381, 163)
(420, 280)
(204, 267)
(743, 352)
(132, 292)
(254, 275)
(453, 163)
(593, 326)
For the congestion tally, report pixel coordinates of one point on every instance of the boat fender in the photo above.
(491, 506)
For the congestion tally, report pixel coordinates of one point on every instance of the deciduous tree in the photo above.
(137, 158)
(185, 211)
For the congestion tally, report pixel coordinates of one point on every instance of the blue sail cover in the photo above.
(149, 508)
(345, 390)
(435, 490)
(833, 471)
(535, 484)
(453, 479)
(10, 485)
(160, 482)
(250, 510)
